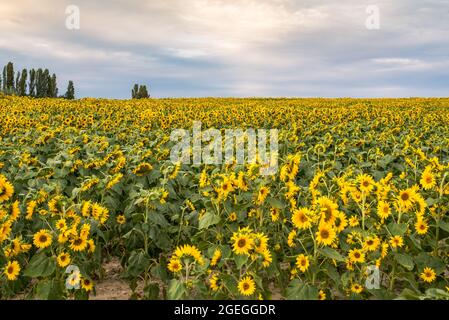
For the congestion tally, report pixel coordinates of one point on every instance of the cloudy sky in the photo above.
(244, 48)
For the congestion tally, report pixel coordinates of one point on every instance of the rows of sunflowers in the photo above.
(362, 189)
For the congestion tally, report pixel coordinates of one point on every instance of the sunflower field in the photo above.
(361, 197)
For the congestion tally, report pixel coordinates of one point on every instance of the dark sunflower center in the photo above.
(365, 183)
(10, 270)
(404, 196)
(370, 242)
(357, 255)
(245, 286)
(241, 243)
(77, 242)
(43, 238)
(324, 234)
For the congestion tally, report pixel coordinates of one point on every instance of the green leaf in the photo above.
(397, 229)
(444, 225)
(331, 253)
(275, 203)
(176, 290)
(208, 220)
(240, 260)
(40, 266)
(49, 290)
(297, 290)
(151, 291)
(405, 261)
(138, 262)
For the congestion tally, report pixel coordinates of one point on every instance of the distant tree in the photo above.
(16, 85)
(4, 79)
(53, 86)
(32, 83)
(22, 85)
(143, 92)
(10, 77)
(70, 94)
(135, 91)
(39, 83)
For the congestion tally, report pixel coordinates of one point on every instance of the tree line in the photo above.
(38, 83)
(139, 92)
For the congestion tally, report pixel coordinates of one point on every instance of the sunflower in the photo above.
(267, 259)
(260, 241)
(428, 275)
(275, 213)
(325, 234)
(12, 270)
(188, 250)
(366, 183)
(353, 221)
(247, 286)
(406, 198)
(78, 244)
(371, 243)
(61, 224)
(6, 189)
(356, 256)
(63, 259)
(328, 209)
(215, 283)
(383, 210)
(302, 262)
(340, 222)
(300, 218)
(243, 243)
(121, 219)
(428, 180)
(321, 295)
(215, 257)
(421, 226)
(87, 285)
(262, 194)
(396, 242)
(42, 239)
(356, 288)
(232, 216)
(175, 265)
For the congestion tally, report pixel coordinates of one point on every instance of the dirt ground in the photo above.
(112, 287)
